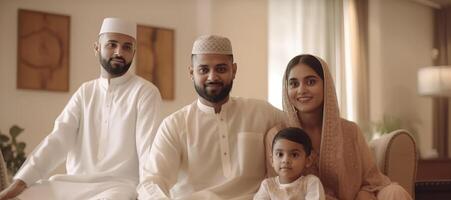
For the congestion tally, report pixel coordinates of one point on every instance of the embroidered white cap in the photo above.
(212, 44)
(116, 25)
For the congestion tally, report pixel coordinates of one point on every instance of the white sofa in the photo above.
(396, 156)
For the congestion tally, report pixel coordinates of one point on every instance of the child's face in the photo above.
(289, 160)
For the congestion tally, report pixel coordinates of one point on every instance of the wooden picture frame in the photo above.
(43, 51)
(155, 58)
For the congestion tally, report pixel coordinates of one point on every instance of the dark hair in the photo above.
(308, 60)
(295, 135)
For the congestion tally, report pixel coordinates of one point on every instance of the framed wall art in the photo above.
(43, 51)
(155, 58)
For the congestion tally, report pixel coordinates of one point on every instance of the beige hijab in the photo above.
(345, 163)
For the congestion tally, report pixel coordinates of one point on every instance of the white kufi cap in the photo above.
(116, 25)
(212, 44)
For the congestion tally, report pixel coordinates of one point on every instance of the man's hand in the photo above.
(17, 187)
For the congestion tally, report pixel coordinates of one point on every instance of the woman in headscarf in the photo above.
(341, 157)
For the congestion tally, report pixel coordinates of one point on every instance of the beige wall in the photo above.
(243, 21)
(401, 36)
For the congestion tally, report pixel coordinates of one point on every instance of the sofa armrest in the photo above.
(396, 156)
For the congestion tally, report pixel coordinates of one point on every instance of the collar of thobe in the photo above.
(284, 185)
(211, 110)
(115, 81)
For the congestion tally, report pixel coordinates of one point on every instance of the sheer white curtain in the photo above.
(357, 68)
(306, 27)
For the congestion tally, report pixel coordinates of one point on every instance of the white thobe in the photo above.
(200, 154)
(304, 188)
(104, 133)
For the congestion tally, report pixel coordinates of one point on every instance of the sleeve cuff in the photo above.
(28, 174)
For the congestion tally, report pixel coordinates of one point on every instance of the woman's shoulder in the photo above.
(347, 125)
(351, 130)
(345, 122)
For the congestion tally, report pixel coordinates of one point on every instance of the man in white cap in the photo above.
(212, 148)
(104, 133)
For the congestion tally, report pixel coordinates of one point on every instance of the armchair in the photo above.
(396, 156)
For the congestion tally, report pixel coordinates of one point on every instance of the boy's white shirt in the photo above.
(307, 187)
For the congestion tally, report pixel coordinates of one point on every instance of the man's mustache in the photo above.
(214, 83)
(117, 58)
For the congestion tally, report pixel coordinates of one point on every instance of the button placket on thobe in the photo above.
(224, 143)
(106, 116)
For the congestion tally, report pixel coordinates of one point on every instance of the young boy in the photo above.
(291, 149)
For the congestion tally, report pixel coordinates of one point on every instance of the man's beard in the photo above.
(214, 98)
(118, 70)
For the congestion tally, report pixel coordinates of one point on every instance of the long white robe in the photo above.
(104, 133)
(200, 154)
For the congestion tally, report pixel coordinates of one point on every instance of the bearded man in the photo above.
(103, 134)
(212, 148)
